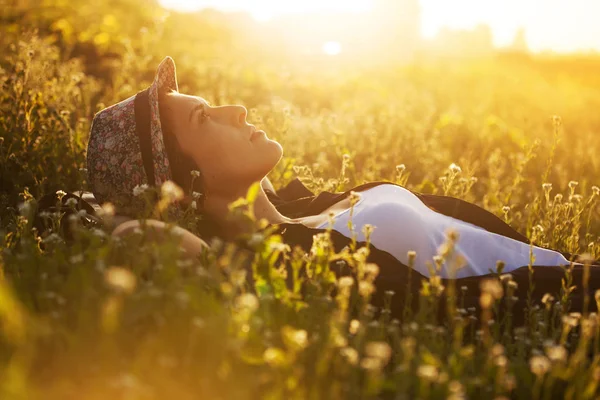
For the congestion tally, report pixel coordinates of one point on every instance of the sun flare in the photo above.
(579, 29)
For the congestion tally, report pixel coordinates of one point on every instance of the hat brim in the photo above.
(165, 80)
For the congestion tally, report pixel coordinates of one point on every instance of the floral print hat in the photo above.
(126, 146)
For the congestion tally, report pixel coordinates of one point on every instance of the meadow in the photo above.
(95, 317)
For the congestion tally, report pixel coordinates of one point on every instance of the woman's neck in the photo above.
(217, 206)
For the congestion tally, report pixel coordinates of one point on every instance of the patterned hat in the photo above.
(126, 146)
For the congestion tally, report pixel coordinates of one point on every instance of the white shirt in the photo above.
(403, 222)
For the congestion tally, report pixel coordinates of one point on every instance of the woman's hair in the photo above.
(182, 164)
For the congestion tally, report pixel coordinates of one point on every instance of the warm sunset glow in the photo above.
(554, 25)
(332, 48)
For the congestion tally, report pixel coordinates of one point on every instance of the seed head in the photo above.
(539, 365)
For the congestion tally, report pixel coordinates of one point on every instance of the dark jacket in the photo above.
(295, 200)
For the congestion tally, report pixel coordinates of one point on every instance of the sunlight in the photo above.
(332, 48)
(265, 9)
(577, 18)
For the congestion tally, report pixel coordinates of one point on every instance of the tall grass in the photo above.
(99, 317)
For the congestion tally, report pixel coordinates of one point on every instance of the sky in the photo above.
(558, 25)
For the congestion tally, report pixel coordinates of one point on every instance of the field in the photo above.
(94, 317)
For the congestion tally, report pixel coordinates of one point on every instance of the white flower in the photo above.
(60, 194)
(139, 189)
(196, 195)
(454, 168)
(194, 205)
(195, 174)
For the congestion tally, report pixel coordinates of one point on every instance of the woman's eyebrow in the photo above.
(199, 106)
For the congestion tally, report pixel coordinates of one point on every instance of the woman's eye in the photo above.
(202, 116)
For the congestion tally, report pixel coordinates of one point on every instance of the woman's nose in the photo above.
(239, 114)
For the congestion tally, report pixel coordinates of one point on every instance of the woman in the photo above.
(161, 134)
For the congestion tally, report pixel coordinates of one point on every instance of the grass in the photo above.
(100, 317)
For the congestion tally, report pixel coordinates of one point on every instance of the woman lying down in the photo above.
(161, 134)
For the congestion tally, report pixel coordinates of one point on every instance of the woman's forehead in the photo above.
(191, 100)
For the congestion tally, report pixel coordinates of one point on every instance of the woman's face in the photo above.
(229, 151)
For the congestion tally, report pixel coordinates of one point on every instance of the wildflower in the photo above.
(505, 209)
(295, 338)
(354, 326)
(346, 157)
(492, 287)
(196, 195)
(455, 169)
(368, 229)
(548, 299)
(247, 301)
(539, 365)
(274, 356)
(556, 120)
(400, 168)
(557, 353)
(497, 350)
(195, 173)
(372, 269)
(547, 187)
(350, 354)
(595, 190)
(570, 321)
(354, 197)
(108, 210)
(120, 279)
(411, 254)
(194, 206)
(370, 363)
(60, 194)
(365, 289)
(379, 350)
(501, 361)
(345, 282)
(138, 190)
(171, 192)
(427, 372)
(573, 184)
